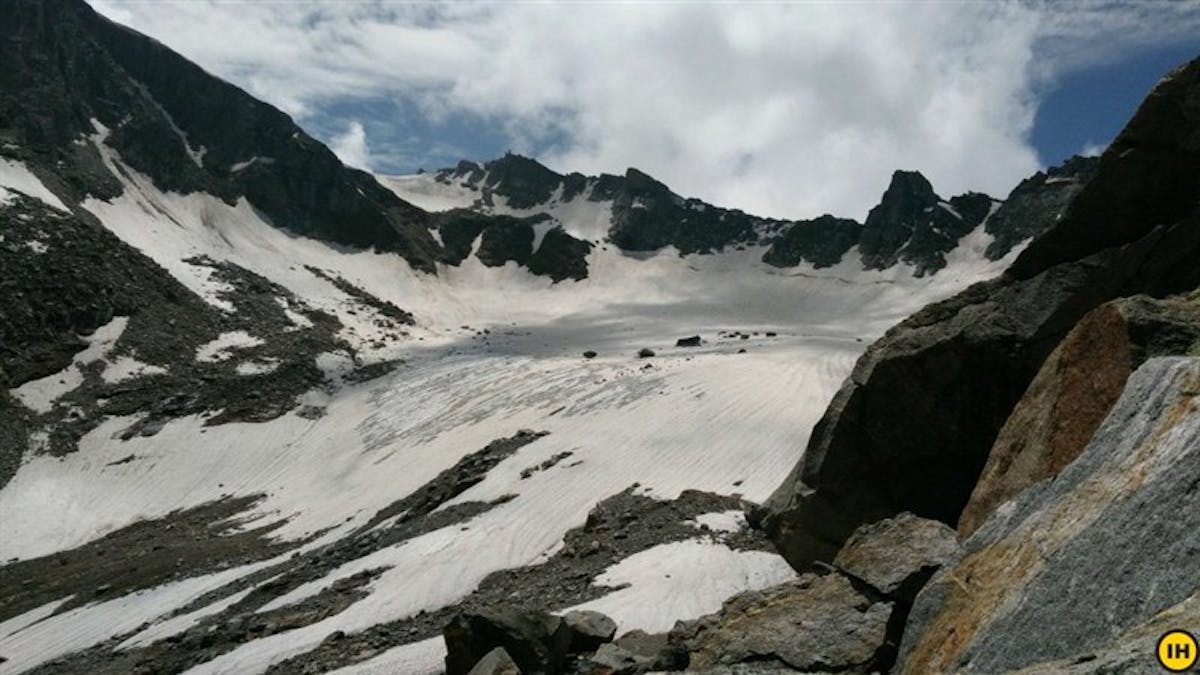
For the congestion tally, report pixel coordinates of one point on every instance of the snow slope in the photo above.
(707, 418)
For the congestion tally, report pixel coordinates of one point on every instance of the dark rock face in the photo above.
(522, 181)
(647, 216)
(506, 239)
(912, 426)
(1122, 521)
(822, 241)
(1075, 389)
(535, 641)
(588, 630)
(496, 662)
(693, 341)
(185, 129)
(1035, 205)
(561, 256)
(913, 225)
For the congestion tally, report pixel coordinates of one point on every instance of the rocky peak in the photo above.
(1037, 203)
(183, 128)
(913, 224)
(905, 200)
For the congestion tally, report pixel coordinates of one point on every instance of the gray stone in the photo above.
(1075, 389)
(495, 662)
(536, 641)
(588, 630)
(1086, 564)
(814, 622)
(896, 556)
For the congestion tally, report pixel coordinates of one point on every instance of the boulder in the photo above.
(495, 662)
(911, 428)
(693, 341)
(896, 556)
(537, 642)
(812, 623)
(1075, 389)
(588, 630)
(589, 354)
(645, 353)
(1087, 566)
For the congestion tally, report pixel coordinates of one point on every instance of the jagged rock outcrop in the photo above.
(847, 620)
(896, 556)
(65, 66)
(1074, 391)
(822, 241)
(507, 238)
(1085, 567)
(814, 622)
(560, 256)
(537, 642)
(911, 428)
(912, 224)
(1035, 205)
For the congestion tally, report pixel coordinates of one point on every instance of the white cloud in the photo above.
(780, 109)
(1092, 149)
(351, 146)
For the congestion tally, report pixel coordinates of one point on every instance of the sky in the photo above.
(781, 109)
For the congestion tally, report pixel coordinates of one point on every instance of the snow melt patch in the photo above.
(261, 367)
(225, 345)
(16, 176)
(178, 624)
(683, 580)
(126, 368)
(40, 395)
(426, 192)
(95, 622)
(722, 521)
(418, 658)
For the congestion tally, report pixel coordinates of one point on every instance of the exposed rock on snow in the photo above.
(537, 642)
(912, 426)
(1122, 521)
(812, 623)
(589, 629)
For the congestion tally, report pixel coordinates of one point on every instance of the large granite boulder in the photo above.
(537, 642)
(896, 556)
(1074, 391)
(814, 622)
(911, 429)
(1086, 567)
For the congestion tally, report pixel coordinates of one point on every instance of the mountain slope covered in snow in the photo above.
(260, 410)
